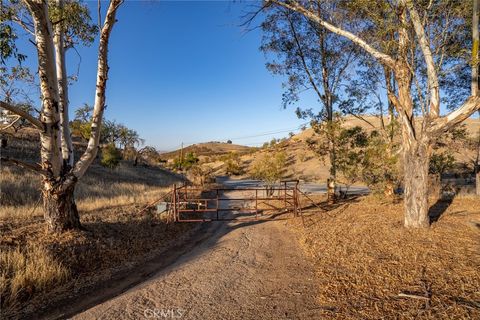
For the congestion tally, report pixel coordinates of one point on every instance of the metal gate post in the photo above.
(175, 217)
(295, 201)
(300, 206)
(217, 205)
(256, 203)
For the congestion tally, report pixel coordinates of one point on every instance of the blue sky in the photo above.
(185, 72)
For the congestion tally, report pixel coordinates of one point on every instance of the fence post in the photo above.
(217, 206)
(295, 201)
(256, 203)
(175, 203)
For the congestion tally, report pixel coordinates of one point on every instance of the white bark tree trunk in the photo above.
(50, 137)
(67, 145)
(102, 75)
(57, 166)
(416, 158)
(475, 91)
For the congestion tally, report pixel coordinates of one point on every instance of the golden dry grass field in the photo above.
(368, 266)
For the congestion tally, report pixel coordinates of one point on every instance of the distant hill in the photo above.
(304, 164)
(370, 123)
(209, 149)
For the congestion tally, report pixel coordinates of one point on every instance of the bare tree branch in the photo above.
(11, 124)
(427, 55)
(63, 103)
(359, 117)
(27, 116)
(24, 25)
(102, 75)
(302, 58)
(457, 116)
(30, 166)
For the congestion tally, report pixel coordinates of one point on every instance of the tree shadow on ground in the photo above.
(179, 250)
(182, 250)
(326, 206)
(439, 208)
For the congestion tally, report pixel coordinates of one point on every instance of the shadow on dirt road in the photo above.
(227, 270)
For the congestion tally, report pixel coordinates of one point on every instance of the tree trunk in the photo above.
(416, 161)
(435, 186)
(331, 181)
(389, 189)
(331, 191)
(60, 209)
(477, 164)
(475, 89)
(477, 179)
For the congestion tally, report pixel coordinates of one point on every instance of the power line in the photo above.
(262, 134)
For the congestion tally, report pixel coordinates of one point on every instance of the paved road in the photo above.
(307, 187)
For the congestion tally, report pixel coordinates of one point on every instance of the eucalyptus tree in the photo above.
(420, 61)
(311, 59)
(56, 26)
(474, 80)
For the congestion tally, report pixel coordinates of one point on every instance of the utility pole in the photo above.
(181, 157)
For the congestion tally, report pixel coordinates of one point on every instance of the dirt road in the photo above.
(243, 270)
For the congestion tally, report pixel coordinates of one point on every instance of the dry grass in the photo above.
(99, 189)
(208, 149)
(28, 270)
(116, 241)
(366, 260)
(38, 269)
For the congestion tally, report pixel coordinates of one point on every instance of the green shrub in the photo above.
(111, 156)
(269, 167)
(186, 163)
(232, 163)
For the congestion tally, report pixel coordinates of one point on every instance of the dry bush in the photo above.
(365, 259)
(26, 271)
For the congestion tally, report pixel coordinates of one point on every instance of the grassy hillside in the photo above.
(209, 149)
(126, 184)
(304, 164)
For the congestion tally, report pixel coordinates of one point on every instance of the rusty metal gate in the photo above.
(195, 204)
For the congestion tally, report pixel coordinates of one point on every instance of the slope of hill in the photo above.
(304, 164)
(370, 123)
(209, 149)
